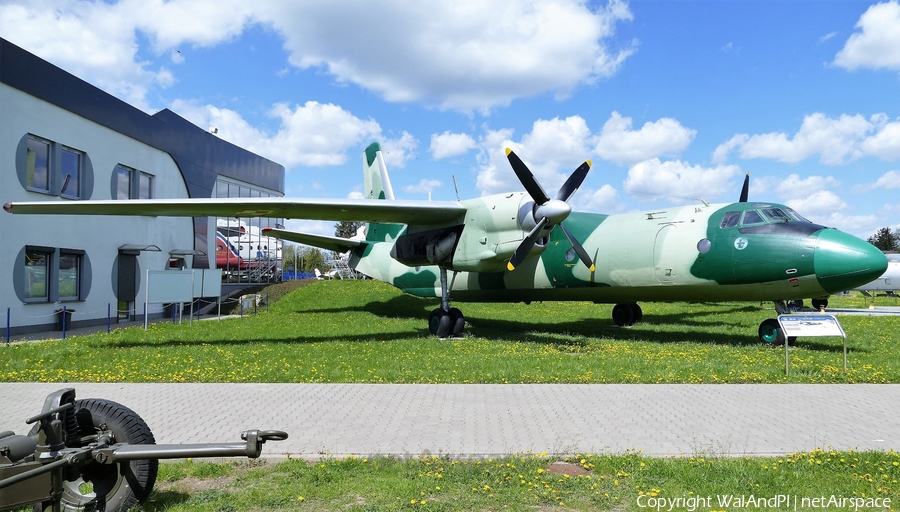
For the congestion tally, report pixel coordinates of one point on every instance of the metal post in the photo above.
(64, 311)
(108, 316)
(7, 326)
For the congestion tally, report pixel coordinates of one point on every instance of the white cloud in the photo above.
(467, 55)
(835, 140)
(551, 151)
(887, 181)
(397, 151)
(680, 180)
(602, 200)
(619, 143)
(877, 44)
(92, 40)
(311, 135)
(424, 187)
(448, 145)
(795, 187)
(458, 55)
(818, 204)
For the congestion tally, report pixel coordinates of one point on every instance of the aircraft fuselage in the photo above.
(738, 251)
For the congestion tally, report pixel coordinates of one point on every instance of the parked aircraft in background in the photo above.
(528, 246)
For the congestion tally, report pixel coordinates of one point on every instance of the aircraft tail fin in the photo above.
(377, 181)
(378, 186)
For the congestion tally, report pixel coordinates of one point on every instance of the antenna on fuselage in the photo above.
(455, 187)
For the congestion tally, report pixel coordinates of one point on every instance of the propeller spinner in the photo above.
(548, 211)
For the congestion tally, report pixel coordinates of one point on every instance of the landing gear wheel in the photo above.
(637, 314)
(457, 322)
(623, 315)
(117, 486)
(770, 332)
(439, 323)
(820, 303)
(795, 305)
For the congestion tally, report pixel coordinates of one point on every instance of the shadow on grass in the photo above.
(532, 329)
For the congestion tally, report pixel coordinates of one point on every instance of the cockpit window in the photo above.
(776, 215)
(730, 220)
(751, 217)
(796, 216)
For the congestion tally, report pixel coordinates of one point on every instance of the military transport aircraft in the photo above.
(528, 246)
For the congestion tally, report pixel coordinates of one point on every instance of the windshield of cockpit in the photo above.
(761, 214)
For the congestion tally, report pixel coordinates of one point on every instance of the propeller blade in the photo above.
(574, 181)
(579, 250)
(525, 247)
(745, 190)
(531, 185)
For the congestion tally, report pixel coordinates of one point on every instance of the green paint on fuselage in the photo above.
(559, 259)
(755, 254)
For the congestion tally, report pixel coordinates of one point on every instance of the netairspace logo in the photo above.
(778, 501)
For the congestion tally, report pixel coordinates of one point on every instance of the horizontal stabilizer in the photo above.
(329, 243)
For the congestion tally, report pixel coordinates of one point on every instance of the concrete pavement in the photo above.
(480, 420)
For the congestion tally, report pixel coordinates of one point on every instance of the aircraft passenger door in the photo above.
(664, 254)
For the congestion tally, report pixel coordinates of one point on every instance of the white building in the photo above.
(62, 139)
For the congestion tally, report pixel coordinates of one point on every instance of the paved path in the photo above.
(476, 420)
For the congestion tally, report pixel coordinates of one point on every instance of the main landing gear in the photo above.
(626, 315)
(446, 322)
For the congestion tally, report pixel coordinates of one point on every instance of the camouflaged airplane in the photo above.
(527, 246)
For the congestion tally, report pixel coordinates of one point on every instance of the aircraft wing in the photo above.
(331, 243)
(360, 210)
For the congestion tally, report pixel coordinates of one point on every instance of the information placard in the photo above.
(810, 325)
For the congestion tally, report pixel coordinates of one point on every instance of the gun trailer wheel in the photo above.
(108, 487)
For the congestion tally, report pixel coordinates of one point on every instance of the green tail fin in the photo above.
(378, 186)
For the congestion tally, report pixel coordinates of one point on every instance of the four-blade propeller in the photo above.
(547, 211)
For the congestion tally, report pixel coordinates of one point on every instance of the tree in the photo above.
(346, 229)
(305, 258)
(885, 240)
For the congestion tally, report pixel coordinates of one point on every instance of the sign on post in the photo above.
(810, 325)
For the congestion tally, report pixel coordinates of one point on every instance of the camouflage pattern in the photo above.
(678, 253)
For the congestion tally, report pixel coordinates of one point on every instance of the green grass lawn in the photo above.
(530, 482)
(367, 331)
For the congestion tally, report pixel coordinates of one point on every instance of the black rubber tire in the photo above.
(771, 333)
(121, 485)
(457, 322)
(623, 315)
(820, 303)
(439, 323)
(637, 314)
(795, 305)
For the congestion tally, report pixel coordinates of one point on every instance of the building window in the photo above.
(37, 165)
(69, 276)
(37, 275)
(132, 183)
(49, 167)
(70, 173)
(145, 186)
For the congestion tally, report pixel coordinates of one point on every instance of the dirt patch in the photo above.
(566, 468)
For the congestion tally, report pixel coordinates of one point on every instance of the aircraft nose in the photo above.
(842, 261)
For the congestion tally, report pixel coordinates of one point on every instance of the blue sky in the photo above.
(673, 101)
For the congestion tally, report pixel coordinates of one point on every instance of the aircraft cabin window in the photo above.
(730, 220)
(751, 217)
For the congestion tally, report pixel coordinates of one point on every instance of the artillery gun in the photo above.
(95, 455)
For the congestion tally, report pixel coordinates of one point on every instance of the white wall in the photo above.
(99, 236)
